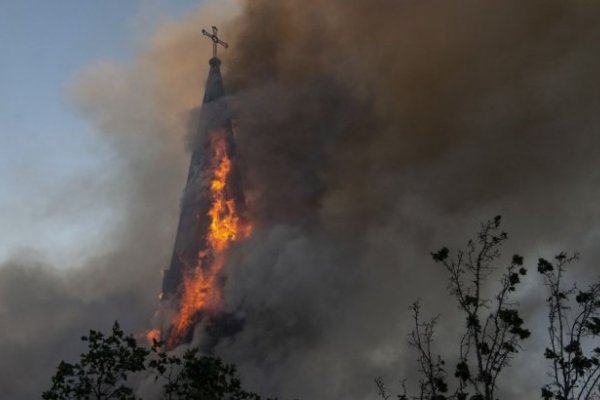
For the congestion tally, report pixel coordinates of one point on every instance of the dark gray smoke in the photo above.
(373, 132)
(376, 131)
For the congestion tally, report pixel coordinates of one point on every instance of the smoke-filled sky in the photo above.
(372, 132)
(46, 143)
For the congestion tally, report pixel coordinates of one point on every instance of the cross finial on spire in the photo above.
(215, 39)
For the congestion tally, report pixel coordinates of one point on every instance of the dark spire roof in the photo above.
(214, 115)
(214, 83)
(215, 108)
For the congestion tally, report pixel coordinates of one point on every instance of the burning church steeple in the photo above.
(211, 219)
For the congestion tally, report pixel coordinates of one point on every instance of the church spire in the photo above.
(212, 216)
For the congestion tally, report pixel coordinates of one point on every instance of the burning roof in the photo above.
(212, 219)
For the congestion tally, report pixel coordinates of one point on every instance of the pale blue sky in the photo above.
(44, 142)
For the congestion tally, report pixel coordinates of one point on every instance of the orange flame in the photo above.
(201, 290)
(153, 335)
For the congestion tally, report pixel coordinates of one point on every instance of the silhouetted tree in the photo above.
(493, 326)
(112, 361)
(194, 377)
(102, 372)
(574, 333)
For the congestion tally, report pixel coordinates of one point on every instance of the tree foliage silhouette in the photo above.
(192, 377)
(574, 334)
(110, 365)
(493, 330)
(102, 372)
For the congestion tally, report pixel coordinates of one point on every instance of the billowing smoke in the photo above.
(141, 111)
(372, 132)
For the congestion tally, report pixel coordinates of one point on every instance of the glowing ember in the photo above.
(201, 291)
(153, 335)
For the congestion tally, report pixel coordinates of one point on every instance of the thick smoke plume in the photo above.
(373, 132)
(376, 131)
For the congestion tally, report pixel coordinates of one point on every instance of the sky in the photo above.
(46, 144)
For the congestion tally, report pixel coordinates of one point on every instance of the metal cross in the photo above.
(215, 39)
